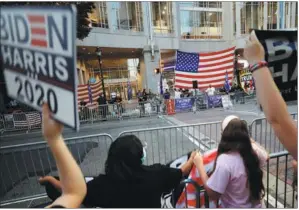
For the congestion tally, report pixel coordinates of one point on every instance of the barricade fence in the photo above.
(262, 132)
(277, 178)
(118, 111)
(167, 143)
(22, 165)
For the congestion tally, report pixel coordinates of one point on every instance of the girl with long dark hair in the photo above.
(237, 178)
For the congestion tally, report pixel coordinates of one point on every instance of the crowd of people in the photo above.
(236, 179)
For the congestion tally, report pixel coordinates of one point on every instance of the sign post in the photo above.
(38, 53)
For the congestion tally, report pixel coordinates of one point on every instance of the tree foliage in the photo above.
(83, 9)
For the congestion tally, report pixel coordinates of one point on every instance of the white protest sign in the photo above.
(38, 52)
(226, 102)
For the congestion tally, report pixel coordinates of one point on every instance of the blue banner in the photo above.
(183, 104)
(214, 101)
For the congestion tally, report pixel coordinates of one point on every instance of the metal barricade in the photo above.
(198, 190)
(167, 143)
(21, 121)
(117, 111)
(278, 180)
(278, 177)
(2, 125)
(21, 165)
(262, 132)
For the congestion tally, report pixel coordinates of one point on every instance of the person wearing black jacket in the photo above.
(103, 109)
(127, 183)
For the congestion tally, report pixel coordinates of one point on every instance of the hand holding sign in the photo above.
(37, 49)
(280, 51)
(52, 130)
(277, 80)
(254, 51)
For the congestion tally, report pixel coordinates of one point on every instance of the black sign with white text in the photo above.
(38, 53)
(281, 49)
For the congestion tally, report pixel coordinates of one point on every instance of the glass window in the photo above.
(272, 15)
(162, 18)
(128, 16)
(98, 18)
(201, 4)
(201, 24)
(251, 13)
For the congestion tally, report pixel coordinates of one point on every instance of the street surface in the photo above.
(166, 137)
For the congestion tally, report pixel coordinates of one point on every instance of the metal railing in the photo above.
(262, 132)
(167, 143)
(277, 179)
(117, 111)
(22, 165)
(26, 121)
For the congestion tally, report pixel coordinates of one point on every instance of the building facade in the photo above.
(144, 31)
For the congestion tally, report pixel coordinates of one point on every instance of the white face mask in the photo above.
(144, 153)
(144, 156)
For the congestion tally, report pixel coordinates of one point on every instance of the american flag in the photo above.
(38, 30)
(26, 120)
(90, 97)
(207, 68)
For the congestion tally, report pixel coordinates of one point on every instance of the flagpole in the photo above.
(99, 54)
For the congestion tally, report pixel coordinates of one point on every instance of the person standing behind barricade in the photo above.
(166, 95)
(210, 91)
(141, 103)
(237, 177)
(150, 94)
(83, 110)
(118, 101)
(269, 97)
(127, 183)
(103, 109)
(144, 95)
(113, 97)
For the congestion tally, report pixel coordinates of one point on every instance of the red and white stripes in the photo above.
(211, 70)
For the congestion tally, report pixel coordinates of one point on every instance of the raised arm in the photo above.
(269, 97)
(71, 178)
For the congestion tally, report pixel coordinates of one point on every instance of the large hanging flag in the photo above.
(206, 68)
(89, 93)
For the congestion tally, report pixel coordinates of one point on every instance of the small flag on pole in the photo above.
(226, 84)
(89, 93)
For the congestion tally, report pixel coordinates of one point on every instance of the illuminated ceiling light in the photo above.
(210, 14)
(163, 12)
(83, 48)
(165, 8)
